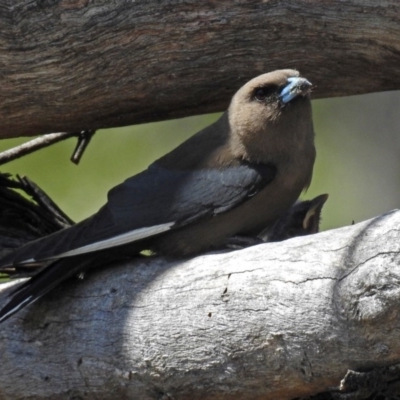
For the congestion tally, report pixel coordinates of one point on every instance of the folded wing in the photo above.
(149, 204)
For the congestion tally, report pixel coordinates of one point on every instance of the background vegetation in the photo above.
(358, 143)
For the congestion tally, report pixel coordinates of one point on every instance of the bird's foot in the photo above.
(240, 242)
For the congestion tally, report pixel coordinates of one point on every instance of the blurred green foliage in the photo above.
(357, 163)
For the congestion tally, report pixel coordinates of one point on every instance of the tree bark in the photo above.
(275, 321)
(68, 65)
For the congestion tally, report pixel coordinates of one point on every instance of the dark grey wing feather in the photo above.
(159, 196)
(149, 203)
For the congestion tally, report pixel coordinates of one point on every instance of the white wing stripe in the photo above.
(16, 308)
(124, 238)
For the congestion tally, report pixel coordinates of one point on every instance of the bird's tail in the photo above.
(44, 281)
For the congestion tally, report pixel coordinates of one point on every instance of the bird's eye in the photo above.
(261, 93)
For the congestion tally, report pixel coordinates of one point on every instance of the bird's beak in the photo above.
(295, 87)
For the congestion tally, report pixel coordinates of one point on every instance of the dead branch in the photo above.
(74, 65)
(275, 321)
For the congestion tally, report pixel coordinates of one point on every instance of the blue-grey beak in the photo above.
(295, 87)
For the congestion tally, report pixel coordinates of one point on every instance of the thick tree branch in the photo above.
(74, 65)
(252, 324)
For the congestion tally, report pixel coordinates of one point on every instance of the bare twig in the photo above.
(84, 138)
(45, 202)
(23, 220)
(47, 140)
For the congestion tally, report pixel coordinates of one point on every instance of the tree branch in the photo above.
(252, 324)
(74, 65)
(44, 141)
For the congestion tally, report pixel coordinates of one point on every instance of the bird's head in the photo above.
(301, 219)
(272, 111)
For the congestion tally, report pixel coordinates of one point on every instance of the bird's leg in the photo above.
(238, 242)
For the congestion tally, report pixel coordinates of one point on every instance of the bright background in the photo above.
(357, 138)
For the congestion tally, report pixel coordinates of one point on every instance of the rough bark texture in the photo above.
(68, 65)
(275, 321)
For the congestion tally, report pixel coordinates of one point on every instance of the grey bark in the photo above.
(68, 65)
(275, 321)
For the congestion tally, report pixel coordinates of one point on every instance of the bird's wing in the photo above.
(148, 204)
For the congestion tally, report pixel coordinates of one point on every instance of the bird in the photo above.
(234, 178)
(301, 219)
